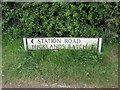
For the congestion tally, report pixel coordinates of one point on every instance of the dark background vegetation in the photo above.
(61, 19)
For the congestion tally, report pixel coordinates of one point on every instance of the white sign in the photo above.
(61, 43)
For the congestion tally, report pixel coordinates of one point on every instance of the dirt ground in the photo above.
(24, 84)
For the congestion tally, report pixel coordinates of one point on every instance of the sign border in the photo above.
(99, 41)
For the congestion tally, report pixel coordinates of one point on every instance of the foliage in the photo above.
(61, 19)
(60, 66)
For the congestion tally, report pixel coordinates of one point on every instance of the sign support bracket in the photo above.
(99, 44)
(25, 43)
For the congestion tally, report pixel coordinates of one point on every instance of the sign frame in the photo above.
(99, 45)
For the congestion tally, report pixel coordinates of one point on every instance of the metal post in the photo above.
(25, 44)
(100, 44)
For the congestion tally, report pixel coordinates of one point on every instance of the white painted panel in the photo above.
(56, 43)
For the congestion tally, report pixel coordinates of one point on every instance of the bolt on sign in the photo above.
(61, 43)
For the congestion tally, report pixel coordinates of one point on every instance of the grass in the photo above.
(60, 66)
(0, 60)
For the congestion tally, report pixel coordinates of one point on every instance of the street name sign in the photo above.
(61, 43)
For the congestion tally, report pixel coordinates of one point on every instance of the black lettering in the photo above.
(33, 46)
(66, 40)
(78, 40)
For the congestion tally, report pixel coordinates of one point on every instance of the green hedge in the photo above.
(61, 19)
